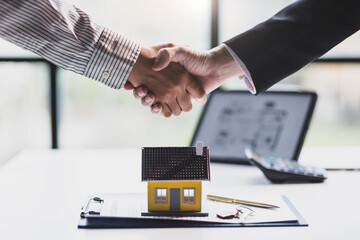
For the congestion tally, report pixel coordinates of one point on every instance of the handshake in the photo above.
(167, 76)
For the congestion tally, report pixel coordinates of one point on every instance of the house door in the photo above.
(174, 198)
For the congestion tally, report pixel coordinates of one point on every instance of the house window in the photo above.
(189, 196)
(161, 195)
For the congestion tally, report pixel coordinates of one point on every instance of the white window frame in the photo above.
(161, 196)
(189, 195)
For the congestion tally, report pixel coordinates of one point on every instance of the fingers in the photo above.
(140, 92)
(181, 102)
(128, 86)
(174, 107)
(148, 100)
(184, 102)
(197, 92)
(166, 112)
(156, 108)
(167, 55)
(171, 86)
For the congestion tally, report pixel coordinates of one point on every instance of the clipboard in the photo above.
(90, 218)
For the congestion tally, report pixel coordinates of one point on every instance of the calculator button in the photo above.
(271, 160)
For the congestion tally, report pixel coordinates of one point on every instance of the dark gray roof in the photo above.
(175, 163)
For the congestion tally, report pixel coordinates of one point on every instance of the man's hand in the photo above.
(170, 85)
(211, 68)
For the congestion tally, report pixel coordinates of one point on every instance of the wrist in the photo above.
(139, 67)
(224, 63)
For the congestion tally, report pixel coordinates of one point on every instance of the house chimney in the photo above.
(199, 148)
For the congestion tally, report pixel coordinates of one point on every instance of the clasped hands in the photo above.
(166, 77)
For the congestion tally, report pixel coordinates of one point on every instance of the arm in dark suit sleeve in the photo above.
(297, 35)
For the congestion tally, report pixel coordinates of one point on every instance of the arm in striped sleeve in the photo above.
(67, 37)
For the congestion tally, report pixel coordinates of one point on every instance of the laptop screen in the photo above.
(272, 123)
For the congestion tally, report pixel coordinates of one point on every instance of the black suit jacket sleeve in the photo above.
(297, 35)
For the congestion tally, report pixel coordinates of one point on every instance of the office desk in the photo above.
(42, 192)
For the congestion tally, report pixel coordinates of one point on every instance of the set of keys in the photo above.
(239, 212)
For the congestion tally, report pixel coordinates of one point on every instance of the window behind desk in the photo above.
(24, 115)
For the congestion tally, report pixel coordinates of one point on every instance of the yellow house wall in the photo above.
(152, 207)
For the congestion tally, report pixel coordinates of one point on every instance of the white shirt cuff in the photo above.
(113, 59)
(247, 77)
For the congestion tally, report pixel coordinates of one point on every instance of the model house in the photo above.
(174, 176)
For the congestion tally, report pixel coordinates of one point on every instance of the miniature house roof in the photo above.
(175, 163)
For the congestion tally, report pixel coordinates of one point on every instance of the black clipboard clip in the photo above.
(93, 207)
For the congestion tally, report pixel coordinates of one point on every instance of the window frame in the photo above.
(161, 199)
(187, 199)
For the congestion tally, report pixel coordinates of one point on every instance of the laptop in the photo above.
(273, 123)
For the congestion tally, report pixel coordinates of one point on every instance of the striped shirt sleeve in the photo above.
(66, 36)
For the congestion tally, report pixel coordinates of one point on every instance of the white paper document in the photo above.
(132, 205)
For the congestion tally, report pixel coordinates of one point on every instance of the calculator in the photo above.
(279, 170)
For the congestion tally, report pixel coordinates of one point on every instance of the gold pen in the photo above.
(236, 201)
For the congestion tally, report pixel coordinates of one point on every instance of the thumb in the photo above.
(157, 48)
(167, 55)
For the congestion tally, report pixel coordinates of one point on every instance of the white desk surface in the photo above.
(35, 183)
